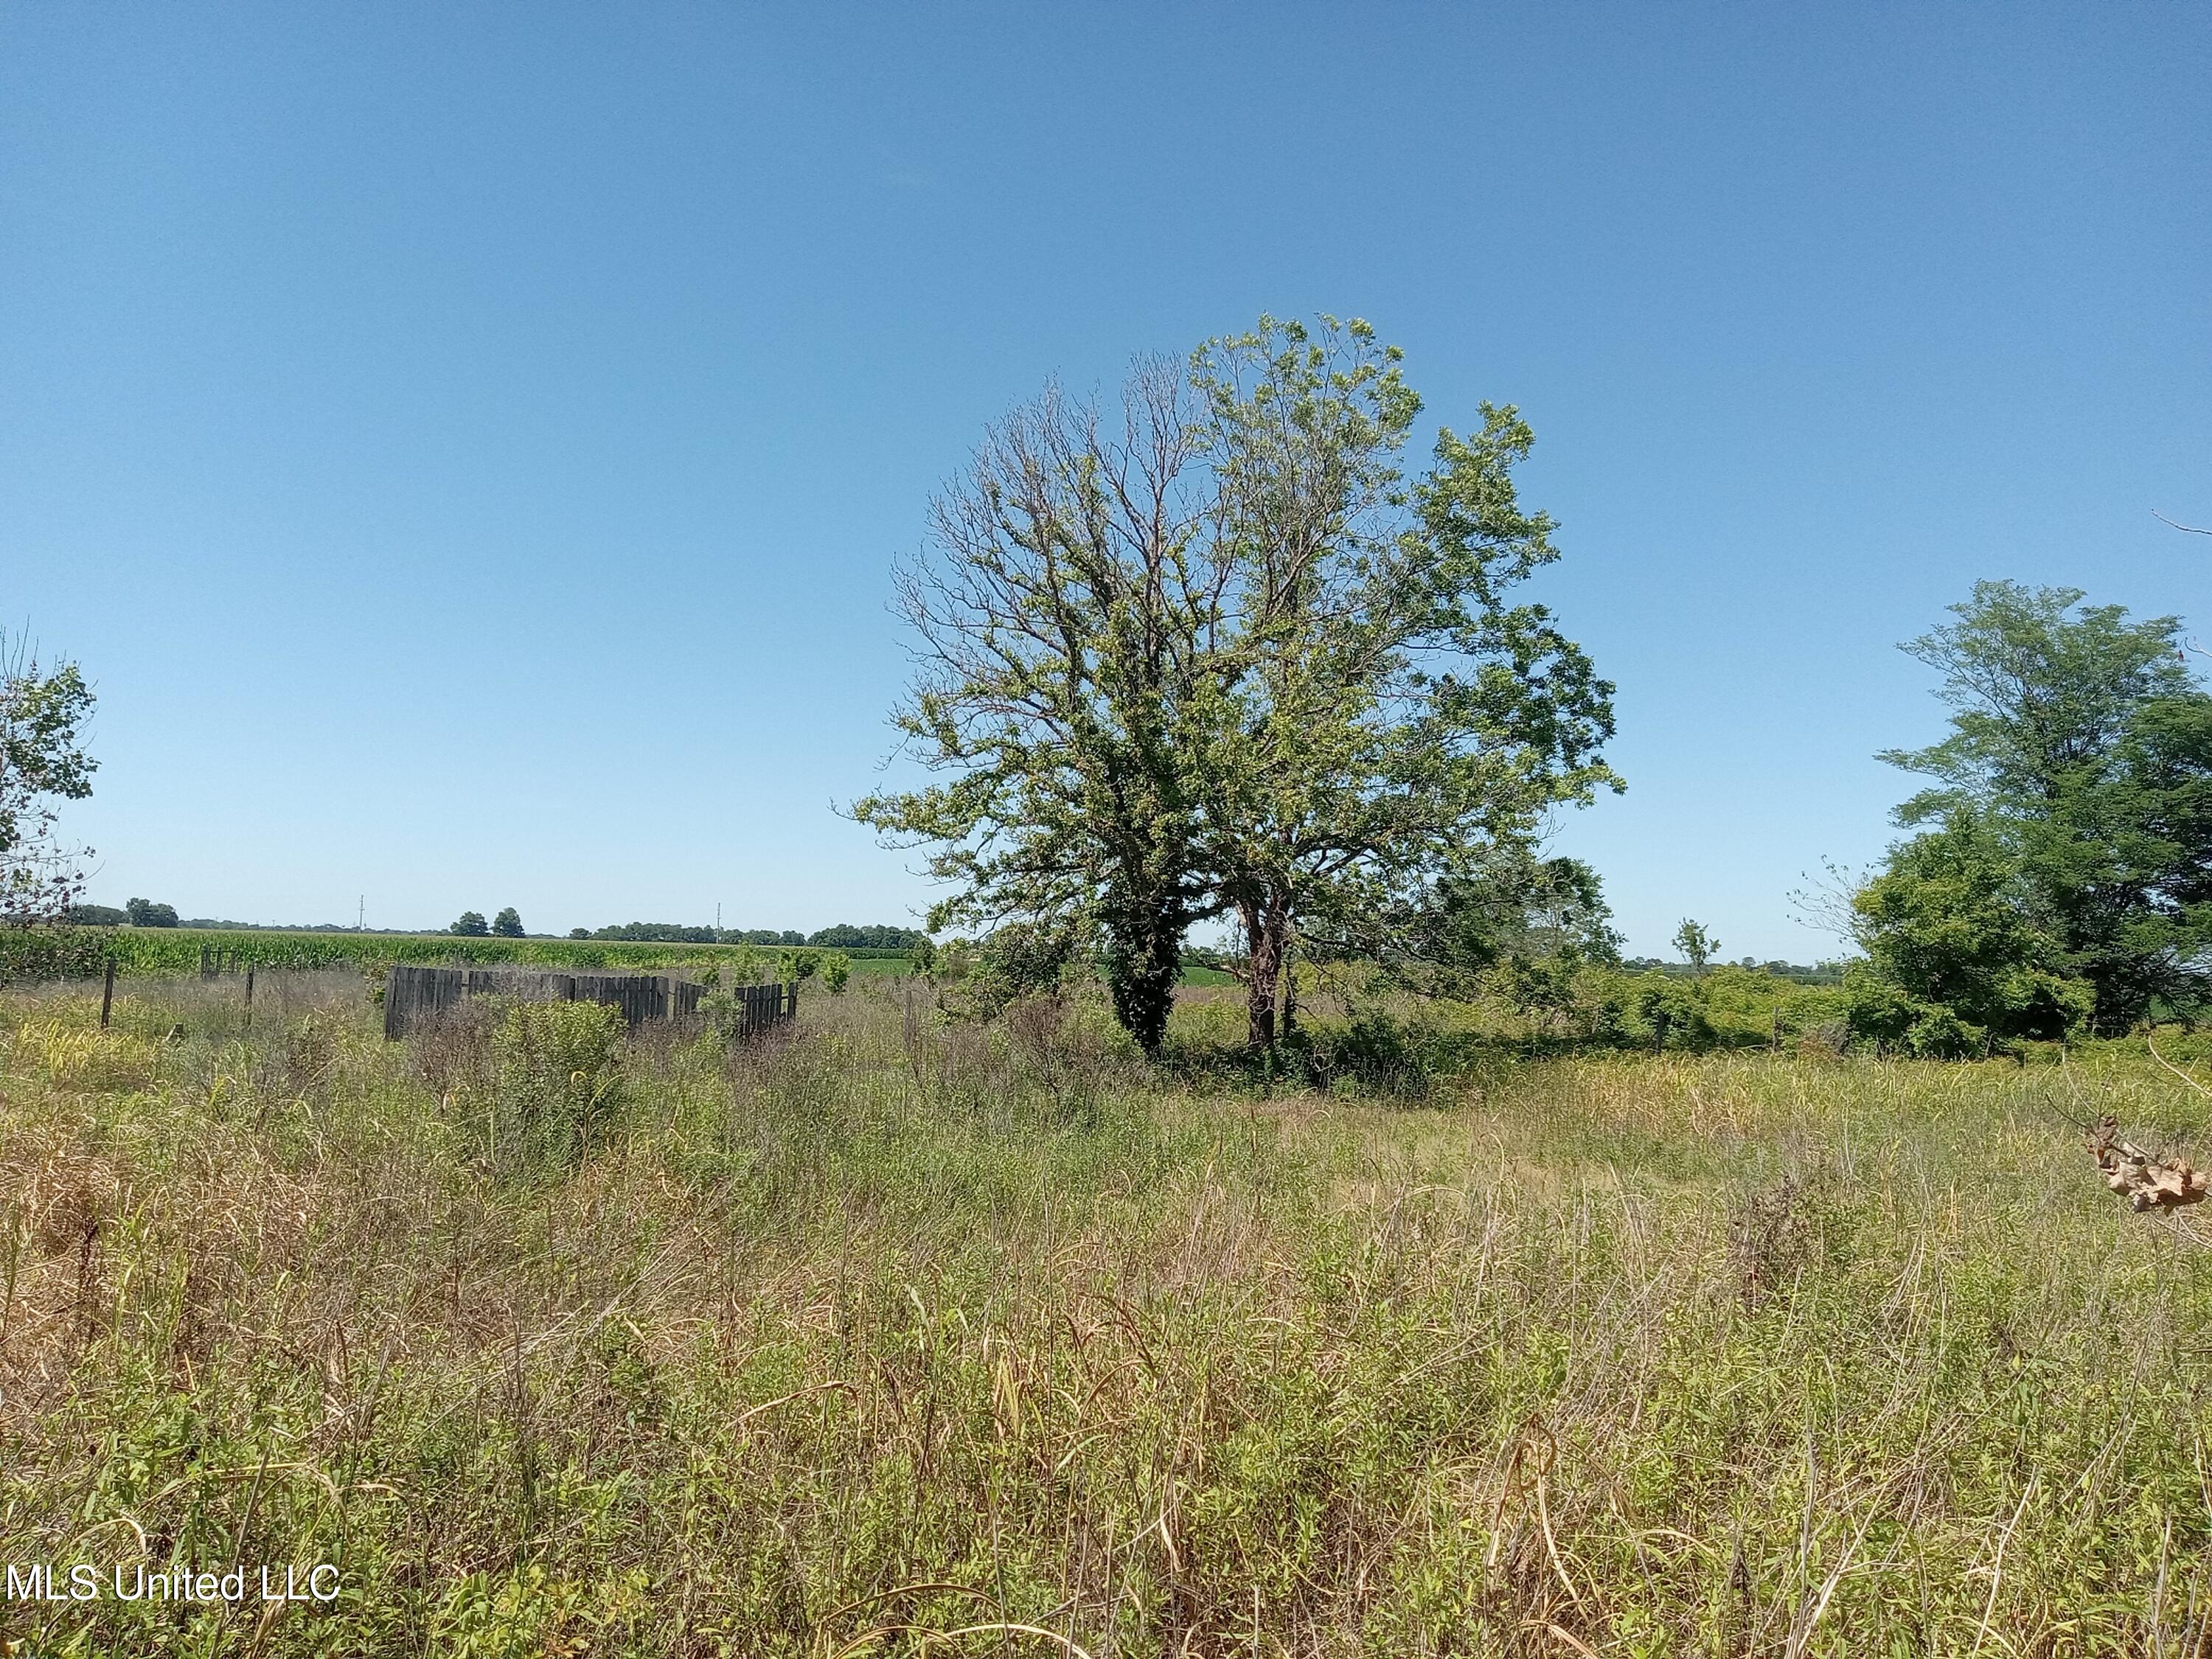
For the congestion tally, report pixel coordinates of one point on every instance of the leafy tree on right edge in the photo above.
(2065, 872)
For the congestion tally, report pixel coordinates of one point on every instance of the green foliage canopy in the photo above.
(1516, 924)
(1222, 656)
(1697, 946)
(2075, 794)
(42, 762)
(1380, 721)
(1061, 614)
(1945, 925)
(845, 936)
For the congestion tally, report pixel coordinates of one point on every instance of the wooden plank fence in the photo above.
(413, 995)
(760, 1006)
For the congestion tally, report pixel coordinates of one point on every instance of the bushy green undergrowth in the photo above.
(1567, 1007)
(1361, 1028)
(886, 1329)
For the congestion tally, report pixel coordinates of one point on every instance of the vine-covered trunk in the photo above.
(1143, 961)
(1143, 992)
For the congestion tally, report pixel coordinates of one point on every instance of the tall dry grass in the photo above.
(897, 1338)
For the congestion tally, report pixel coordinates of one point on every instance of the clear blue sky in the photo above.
(465, 445)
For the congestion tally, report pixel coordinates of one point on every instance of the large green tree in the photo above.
(1060, 611)
(1222, 656)
(1382, 721)
(43, 711)
(2081, 752)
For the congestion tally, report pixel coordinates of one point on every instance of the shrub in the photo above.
(1875, 1011)
(554, 1076)
(1939, 1033)
(453, 1054)
(2047, 1007)
(1800, 1225)
(1025, 959)
(1666, 1008)
(1374, 1051)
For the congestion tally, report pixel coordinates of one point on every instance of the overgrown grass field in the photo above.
(890, 1337)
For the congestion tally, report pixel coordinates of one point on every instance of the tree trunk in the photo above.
(1286, 959)
(1143, 961)
(1262, 968)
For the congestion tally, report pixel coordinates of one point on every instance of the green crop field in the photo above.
(901, 1336)
(81, 952)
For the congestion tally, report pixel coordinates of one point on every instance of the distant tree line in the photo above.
(137, 913)
(668, 932)
(1797, 972)
(507, 924)
(844, 936)
(164, 916)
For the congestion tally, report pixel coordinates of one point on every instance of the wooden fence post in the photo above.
(107, 993)
(249, 994)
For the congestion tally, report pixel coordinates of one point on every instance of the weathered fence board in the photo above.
(413, 995)
(760, 1006)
